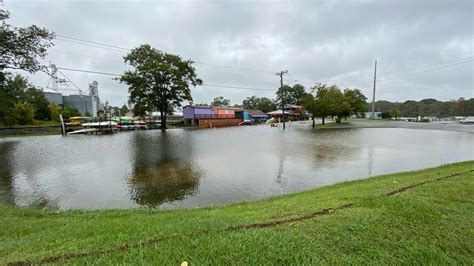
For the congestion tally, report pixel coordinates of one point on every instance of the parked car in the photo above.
(246, 123)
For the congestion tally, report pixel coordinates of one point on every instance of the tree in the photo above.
(298, 93)
(21, 47)
(88, 114)
(395, 113)
(293, 95)
(159, 80)
(124, 110)
(250, 103)
(17, 90)
(330, 101)
(266, 105)
(67, 111)
(324, 104)
(309, 103)
(54, 111)
(354, 102)
(140, 110)
(220, 101)
(255, 103)
(24, 113)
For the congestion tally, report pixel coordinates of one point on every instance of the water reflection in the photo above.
(189, 168)
(166, 182)
(6, 172)
(162, 169)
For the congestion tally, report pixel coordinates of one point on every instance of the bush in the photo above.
(386, 115)
(24, 113)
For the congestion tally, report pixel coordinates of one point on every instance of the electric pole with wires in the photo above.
(373, 95)
(281, 73)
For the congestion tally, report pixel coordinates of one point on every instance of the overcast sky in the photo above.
(332, 42)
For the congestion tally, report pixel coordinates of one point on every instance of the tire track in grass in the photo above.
(151, 241)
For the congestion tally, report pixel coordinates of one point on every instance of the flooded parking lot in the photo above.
(190, 168)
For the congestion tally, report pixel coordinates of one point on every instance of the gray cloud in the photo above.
(317, 41)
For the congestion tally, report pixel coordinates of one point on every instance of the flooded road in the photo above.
(190, 168)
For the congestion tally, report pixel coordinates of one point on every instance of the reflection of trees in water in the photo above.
(321, 148)
(6, 172)
(332, 147)
(166, 182)
(162, 169)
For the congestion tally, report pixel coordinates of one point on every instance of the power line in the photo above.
(416, 73)
(91, 45)
(80, 91)
(429, 70)
(123, 49)
(117, 75)
(97, 43)
(76, 54)
(236, 87)
(90, 71)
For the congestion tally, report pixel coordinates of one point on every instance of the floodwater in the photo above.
(189, 168)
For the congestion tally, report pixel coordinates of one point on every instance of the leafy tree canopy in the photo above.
(22, 47)
(220, 101)
(331, 101)
(293, 95)
(124, 110)
(158, 80)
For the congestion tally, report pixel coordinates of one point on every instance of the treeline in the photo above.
(331, 101)
(21, 103)
(322, 101)
(425, 107)
(292, 94)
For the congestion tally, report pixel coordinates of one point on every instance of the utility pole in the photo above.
(373, 96)
(281, 73)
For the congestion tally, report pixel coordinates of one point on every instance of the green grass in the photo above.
(35, 123)
(432, 223)
(346, 124)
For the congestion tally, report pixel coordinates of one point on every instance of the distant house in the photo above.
(209, 116)
(223, 112)
(368, 115)
(292, 111)
(257, 116)
(192, 114)
(279, 114)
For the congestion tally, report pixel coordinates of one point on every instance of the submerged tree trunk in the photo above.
(322, 118)
(163, 119)
(314, 123)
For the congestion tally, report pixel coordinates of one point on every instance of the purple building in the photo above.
(192, 114)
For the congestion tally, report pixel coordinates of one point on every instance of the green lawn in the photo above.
(431, 222)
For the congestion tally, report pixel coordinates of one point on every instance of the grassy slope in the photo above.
(431, 223)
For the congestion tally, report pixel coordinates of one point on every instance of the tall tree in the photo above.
(309, 103)
(220, 101)
(298, 93)
(21, 48)
(250, 102)
(266, 105)
(293, 95)
(124, 110)
(159, 80)
(353, 102)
